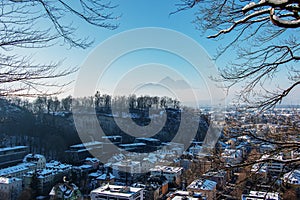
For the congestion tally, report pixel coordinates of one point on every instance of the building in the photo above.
(185, 195)
(271, 165)
(220, 177)
(172, 174)
(17, 171)
(126, 171)
(65, 191)
(177, 148)
(108, 141)
(37, 159)
(133, 147)
(232, 156)
(79, 152)
(10, 188)
(292, 178)
(195, 150)
(115, 139)
(258, 195)
(152, 144)
(10, 156)
(94, 162)
(106, 178)
(47, 177)
(117, 192)
(205, 187)
(157, 186)
(149, 162)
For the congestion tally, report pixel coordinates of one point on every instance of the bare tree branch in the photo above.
(41, 24)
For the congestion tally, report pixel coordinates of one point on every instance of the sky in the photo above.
(136, 14)
(125, 73)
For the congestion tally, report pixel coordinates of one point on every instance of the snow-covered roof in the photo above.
(104, 177)
(166, 169)
(180, 195)
(148, 139)
(86, 145)
(126, 163)
(14, 169)
(116, 191)
(292, 177)
(67, 189)
(259, 168)
(12, 148)
(4, 180)
(232, 153)
(33, 158)
(219, 173)
(202, 184)
(133, 144)
(95, 174)
(85, 166)
(261, 195)
(93, 160)
(57, 165)
(150, 159)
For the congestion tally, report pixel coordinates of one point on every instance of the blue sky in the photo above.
(136, 14)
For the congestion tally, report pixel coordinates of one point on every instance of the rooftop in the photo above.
(14, 169)
(180, 195)
(106, 176)
(166, 169)
(202, 184)
(33, 158)
(116, 190)
(148, 139)
(261, 195)
(57, 165)
(12, 148)
(133, 144)
(86, 145)
(292, 177)
(220, 173)
(4, 180)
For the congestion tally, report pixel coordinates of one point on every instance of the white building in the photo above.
(185, 195)
(178, 148)
(126, 170)
(232, 156)
(272, 165)
(258, 195)
(171, 173)
(117, 193)
(10, 188)
(149, 162)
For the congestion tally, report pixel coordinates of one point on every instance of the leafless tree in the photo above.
(265, 36)
(26, 24)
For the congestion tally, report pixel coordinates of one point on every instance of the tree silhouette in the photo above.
(27, 24)
(265, 36)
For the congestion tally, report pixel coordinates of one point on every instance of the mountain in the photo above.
(175, 84)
